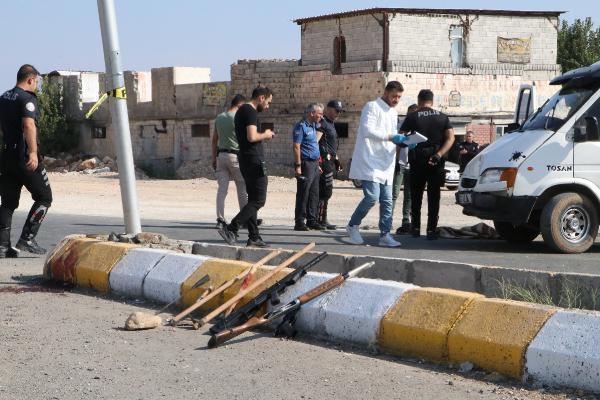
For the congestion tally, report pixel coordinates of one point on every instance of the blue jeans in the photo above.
(373, 192)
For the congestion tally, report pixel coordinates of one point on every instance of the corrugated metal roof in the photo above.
(366, 11)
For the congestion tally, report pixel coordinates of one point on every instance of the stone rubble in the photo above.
(85, 164)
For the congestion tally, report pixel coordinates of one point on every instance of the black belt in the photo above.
(228, 151)
(428, 146)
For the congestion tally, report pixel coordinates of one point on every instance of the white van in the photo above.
(544, 177)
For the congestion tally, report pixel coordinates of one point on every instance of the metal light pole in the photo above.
(120, 119)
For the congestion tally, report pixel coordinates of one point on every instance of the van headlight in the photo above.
(493, 175)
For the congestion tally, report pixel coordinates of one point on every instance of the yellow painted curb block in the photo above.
(95, 261)
(220, 271)
(419, 323)
(57, 253)
(494, 334)
(62, 264)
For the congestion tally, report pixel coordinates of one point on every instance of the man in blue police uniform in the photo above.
(306, 169)
(328, 145)
(20, 163)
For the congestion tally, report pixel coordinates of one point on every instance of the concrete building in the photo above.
(473, 60)
(171, 111)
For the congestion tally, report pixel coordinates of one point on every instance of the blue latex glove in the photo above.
(412, 146)
(398, 139)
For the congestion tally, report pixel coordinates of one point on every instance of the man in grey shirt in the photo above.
(225, 150)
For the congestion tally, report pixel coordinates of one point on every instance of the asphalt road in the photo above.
(67, 345)
(533, 256)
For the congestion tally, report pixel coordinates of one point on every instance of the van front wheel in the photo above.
(569, 223)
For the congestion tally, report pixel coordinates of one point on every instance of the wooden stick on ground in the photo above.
(222, 288)
(245, 283)
(252, 286)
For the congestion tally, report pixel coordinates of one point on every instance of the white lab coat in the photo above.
(374, 154)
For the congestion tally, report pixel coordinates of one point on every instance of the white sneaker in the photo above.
(388, 241)
(354, 234)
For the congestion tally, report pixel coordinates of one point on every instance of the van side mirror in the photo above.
(579, 136)
(513, 126)
(591, 128)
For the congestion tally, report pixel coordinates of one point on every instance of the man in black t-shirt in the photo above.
(330, 164)
(252, 165)
(427, 160)
(20, 163)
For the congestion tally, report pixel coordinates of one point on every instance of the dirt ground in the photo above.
(70, 345)
(194, 200)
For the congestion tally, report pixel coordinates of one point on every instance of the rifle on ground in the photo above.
(245, 283)
(287, 311)
(221, 288)
(225, 306)
(271, 294)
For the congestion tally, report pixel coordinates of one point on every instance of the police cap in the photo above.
(336, 104)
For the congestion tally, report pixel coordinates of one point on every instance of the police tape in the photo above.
(118, 93)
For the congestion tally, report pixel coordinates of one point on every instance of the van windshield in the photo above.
(558, 109)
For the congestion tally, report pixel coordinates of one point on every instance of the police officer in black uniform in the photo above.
(328, 145)
(427, 160)
(21, 163)
(467, 150)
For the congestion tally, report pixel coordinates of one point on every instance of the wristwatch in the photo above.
(297, 165)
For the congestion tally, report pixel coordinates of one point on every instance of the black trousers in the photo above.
(307, 193)
(255, 176)
(326, 180)
(422, 174)
(13, 176)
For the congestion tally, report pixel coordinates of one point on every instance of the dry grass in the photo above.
(571, 295)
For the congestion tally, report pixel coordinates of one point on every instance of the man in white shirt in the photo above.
(373, 162)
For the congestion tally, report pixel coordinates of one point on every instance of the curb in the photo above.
(517, 339)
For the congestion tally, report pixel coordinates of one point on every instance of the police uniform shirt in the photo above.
(305, 134)
(14, 105)
(429, 123)
(328, 142)
(471, 148)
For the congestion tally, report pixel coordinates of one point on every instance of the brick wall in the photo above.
(363, 36)
(475, 94)
(483, 133)
(485, 30)
(426, 38)
(421, 37)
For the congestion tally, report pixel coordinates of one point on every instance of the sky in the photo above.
(65, 34)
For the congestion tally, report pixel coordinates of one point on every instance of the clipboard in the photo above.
(414, 138)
